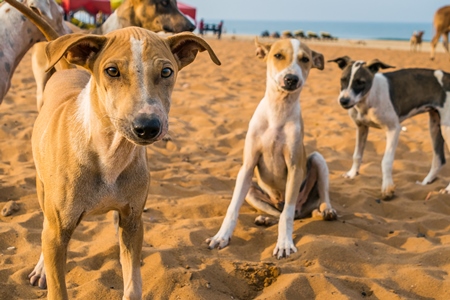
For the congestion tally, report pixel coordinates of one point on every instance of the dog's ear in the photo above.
(375, 65)
(342, 62)
(261, 49)
(185, 47)
(77, 48)
(317, 60)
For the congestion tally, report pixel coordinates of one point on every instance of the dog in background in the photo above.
(18, 35)
(290, 184)
(416, 41)
(384, 100)
(441, 24)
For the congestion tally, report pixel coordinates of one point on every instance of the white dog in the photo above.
(287, 180)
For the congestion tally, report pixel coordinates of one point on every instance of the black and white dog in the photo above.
(384, 100)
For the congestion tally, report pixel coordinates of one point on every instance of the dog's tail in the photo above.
(35, 17)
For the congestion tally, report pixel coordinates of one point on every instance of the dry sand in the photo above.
(378, 250)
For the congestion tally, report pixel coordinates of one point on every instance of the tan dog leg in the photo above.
(131, 235)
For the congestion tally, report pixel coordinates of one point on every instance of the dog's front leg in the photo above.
(388, 187)
(285, 243)
(361, 137)
(243, 182)
(131, 235)
(55, 238)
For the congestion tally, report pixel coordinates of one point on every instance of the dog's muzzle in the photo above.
(147, 127)
(345, 102)
(291, 82)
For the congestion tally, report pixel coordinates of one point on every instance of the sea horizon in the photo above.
(339, 29)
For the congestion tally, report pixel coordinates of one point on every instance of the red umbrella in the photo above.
(91, 6)
(94, 6)
(187, 10)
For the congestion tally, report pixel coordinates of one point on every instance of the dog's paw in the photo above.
(350, 174)
(388, 193)
(326, 212)
(37, 276)
(218, 241)
(329, 214)
(284, 248)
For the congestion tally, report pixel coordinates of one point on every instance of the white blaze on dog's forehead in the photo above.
(355, 67)
(439, 75)
(137, 47)
(348, 92)
(295, 49)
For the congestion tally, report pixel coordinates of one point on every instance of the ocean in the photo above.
(344, 30)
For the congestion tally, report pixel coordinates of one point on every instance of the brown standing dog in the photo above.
(89, 138)
(441, 24)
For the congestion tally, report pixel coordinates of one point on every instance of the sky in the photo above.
(318, 10)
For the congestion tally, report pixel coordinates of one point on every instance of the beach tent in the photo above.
(108, 6)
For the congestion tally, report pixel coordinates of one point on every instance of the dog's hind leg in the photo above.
(445, 41)
(314, 195)
(438, 147)
(37, 276)
(433, 44)
(261, 201)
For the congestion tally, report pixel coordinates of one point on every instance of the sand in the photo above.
(377, 250)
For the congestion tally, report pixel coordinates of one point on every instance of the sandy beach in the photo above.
(376, 250)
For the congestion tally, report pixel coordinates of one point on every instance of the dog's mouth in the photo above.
(347, 106)
(290, 89)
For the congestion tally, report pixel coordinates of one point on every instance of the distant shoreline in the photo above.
(341, 30)
(388, 44)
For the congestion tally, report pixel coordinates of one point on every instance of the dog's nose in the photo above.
(291, 81)
(344, 101)
(147, 127)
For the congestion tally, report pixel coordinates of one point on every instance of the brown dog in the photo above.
(88, 140)
(441, 24)
(416, 41)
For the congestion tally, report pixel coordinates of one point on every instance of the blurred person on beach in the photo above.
(219, 29)
(201, 27)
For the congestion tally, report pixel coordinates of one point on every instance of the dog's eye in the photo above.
(164, 3)
(360, 82)
(113, 72)
(166, 72)
(304, 59)
(278, 56)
